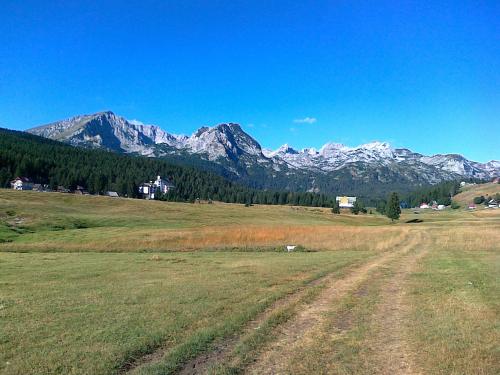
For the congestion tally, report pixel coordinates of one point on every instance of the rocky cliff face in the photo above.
(235, 151)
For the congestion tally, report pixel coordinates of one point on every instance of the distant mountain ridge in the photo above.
(228, 149)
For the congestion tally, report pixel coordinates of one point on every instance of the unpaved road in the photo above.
(307, 325)
(390, 344)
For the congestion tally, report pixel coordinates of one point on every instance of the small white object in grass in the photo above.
(290, 247)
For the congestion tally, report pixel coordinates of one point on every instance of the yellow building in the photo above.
(346, 202)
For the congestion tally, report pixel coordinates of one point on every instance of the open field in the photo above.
(95, 285)
(468, 193)
(31, 221)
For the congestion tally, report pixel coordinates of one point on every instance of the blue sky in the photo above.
(420, 74)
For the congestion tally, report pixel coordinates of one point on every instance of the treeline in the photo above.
(442, 193)
(261, 197)
(56, 164)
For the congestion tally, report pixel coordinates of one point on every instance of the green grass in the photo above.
(456, 311)
(83, 290)
(468, 193)
(32, 221)
(92, 312)
(342, 345)
(63, 209)
(450, 319)
(250, 345)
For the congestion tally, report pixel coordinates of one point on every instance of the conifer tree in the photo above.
(393, 209)
(358, 207)
(336, 208)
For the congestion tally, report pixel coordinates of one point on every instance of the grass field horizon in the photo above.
(32, 221)
(114, 286)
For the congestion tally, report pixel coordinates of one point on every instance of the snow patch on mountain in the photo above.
(228, 142)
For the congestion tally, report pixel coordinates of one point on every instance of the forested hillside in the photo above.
(441, 193)
(55, 163)
(369, 171)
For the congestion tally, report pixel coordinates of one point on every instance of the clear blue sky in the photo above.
(420, 74)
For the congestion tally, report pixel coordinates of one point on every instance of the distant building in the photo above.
(21, 183)
(80, 190)
(465, 184)
(471, 206)
(62, 189)
(492, 203)
(424, 205)
(148, 189)
(346, 202)
(112, 194)
(441, 207)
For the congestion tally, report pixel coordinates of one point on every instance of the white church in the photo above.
(148, 189)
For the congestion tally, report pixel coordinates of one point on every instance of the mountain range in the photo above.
(369, 169)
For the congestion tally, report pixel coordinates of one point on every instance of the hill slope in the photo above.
(366, 170)
(468, 193)
(55, 163)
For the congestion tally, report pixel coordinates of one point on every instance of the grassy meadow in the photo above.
(96, 285)
(469, 192)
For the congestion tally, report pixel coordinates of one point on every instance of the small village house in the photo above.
(148, 189)
(62, 189)
(80, 190)
(112, 194)
(492, 203)
(346, 202)
(424, 206)
(42, 188)
(21, 183)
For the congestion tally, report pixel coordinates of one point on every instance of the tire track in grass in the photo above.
(279, 312)
(220, 348)
(393, 354)
(205, 361)
(308, 322)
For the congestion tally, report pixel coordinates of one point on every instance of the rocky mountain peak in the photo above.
(285, 149)
(228, 142)
(309, 151)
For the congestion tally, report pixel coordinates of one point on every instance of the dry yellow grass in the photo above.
(468, 193)
(56, 222)
(230, 237)
(465, 238)
(432, 311)
(451, 292)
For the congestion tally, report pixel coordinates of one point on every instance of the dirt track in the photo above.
(309, 322)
